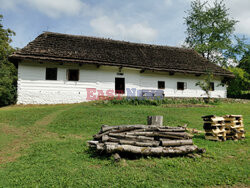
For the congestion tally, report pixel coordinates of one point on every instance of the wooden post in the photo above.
(155, 120)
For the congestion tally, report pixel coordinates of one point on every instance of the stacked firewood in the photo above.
(147, 140)
(228, 127)
(214, 128)
(234, 127)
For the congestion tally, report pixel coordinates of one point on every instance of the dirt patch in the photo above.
(12, 149)
(186, 105)
(25, 136)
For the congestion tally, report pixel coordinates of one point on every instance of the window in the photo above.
(211, 86)
(51, 73)
(119, 85)
(73, 75)
(161, 85)
(181, 85)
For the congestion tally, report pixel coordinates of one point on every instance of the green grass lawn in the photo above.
(45, 146)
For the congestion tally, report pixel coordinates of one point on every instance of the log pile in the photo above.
(234, 127)
(146, 140)
(228, 127)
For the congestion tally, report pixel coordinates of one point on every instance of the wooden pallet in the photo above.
(223, 128)
(215, 138)
(236, 136)
(215, 131)
(212, 118)
(233, 117)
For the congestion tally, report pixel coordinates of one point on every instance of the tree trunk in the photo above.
(177, 142)
(155, 151)
(155, 120)
(132, 137)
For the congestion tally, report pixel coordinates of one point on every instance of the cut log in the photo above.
(155, 151)
(146, 135)
(159, 129)
(177, 142)
(134, 143)
(181, 134)
(92, 142)
(100, 146)
(138, 138)
(105, 128)
(116, 157)
(155, 120)
(121, 128)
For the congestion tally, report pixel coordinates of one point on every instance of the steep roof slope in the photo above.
(81, 49)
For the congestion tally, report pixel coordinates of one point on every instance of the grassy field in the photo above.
(45, 146)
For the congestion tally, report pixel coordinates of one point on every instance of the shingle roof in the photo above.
(81, 49)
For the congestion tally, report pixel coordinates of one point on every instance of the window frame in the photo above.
(123, 89)
(184, 86)
(161, 82)
(47, 73)
(68, 76)
(211, 86)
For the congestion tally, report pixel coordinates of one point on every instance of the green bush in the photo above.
(156, 101)
(8, 84)
(239, 86)
(8, 72)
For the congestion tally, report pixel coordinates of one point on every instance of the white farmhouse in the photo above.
(60, 68)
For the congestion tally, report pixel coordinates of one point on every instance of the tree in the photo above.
(206, 85)
(240, 85)
(210, 32)
(245, 62)
(8, 72)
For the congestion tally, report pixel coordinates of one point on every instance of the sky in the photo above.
(144, 21)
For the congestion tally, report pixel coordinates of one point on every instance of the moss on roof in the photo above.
(81, 49)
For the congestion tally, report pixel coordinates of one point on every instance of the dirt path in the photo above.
(24, 136)
(51, 117)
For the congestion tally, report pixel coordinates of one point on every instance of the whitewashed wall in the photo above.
(34, 89)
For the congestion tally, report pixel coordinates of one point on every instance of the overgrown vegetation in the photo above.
(239, 87)
(8, 72)
(156, 101)
(206, 85)
(210, 31)
(54, 153)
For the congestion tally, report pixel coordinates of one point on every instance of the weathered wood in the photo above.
(92, 142)
(148, 135)
(142, 138)
(122, 127)
(134, 143)
(158, 129)
(155, 120)
(177, 142)
(155, 151)
(181, 134)
(116, 157)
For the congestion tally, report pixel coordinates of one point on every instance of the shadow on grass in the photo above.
(92, 153)
(199, 136)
